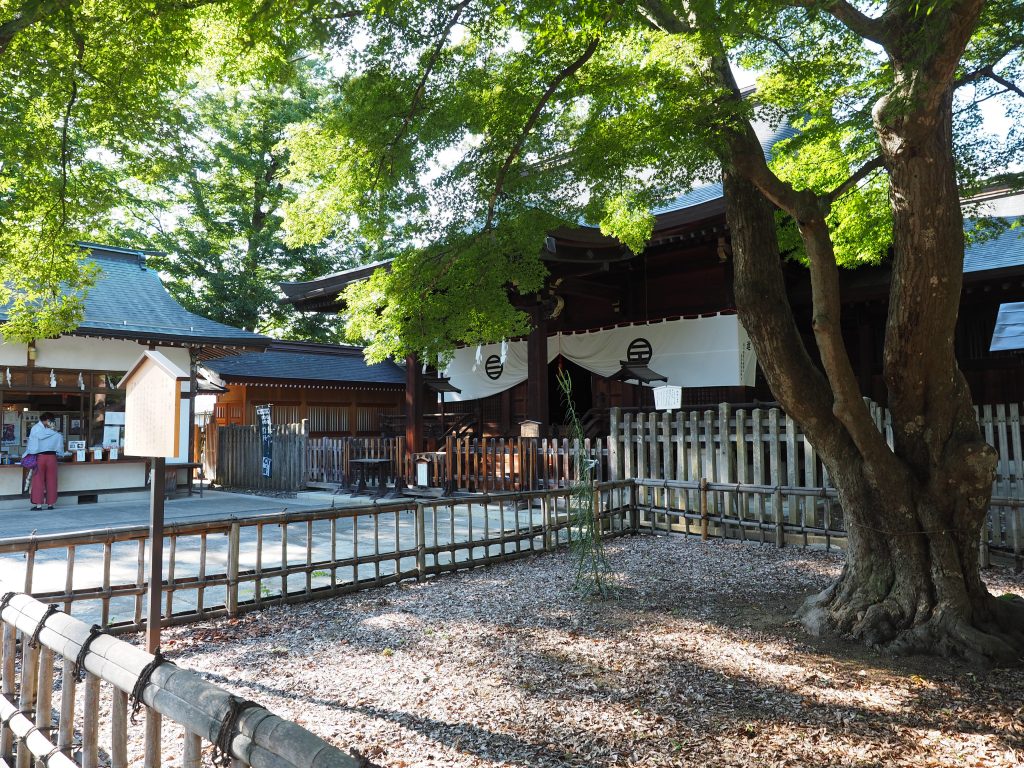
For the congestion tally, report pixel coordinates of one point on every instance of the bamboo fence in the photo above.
(217, 568)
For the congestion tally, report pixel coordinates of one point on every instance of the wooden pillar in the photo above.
(537, 369)
(413, 408)
(505, 427)
(865, 353)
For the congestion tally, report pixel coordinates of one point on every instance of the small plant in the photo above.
(321, 574)
(593, 573)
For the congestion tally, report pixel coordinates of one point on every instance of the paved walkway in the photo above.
(214, 505)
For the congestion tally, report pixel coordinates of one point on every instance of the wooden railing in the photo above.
(327, 458)
(41, 656)
(219, 568)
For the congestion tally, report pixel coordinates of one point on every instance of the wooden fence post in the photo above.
(421, 542)
(703, 509)
(232, 569)
(780, 520)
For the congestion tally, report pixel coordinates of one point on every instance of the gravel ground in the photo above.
(695, 663)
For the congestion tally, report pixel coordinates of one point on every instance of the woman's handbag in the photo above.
(29, 461)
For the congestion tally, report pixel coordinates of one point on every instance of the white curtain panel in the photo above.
(489, 376)
(692, 352)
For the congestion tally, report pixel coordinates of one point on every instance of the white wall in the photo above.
(13, 354)
(86, 354)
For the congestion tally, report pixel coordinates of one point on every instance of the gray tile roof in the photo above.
(321, 363)
(1006, 250)
(129, 301)
(769, 136)
(1009, 331)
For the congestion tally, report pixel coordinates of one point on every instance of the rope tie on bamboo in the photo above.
(143, 681)
(29, 713)
(229, 728)
(50, 610)
(94, 631)
(5, 601)
(46, 758)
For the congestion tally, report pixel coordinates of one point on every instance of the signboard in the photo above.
(152, 414)
(668, 398)
(266, 438)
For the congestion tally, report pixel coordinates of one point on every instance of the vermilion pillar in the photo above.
(413, 409)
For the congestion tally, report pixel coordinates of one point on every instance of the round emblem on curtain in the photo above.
(639, 351)
(494, 367)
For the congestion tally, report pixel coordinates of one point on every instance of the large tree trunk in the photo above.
(914, 514)
(914, 511)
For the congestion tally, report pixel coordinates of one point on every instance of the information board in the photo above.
(152, 413)
(668, 398)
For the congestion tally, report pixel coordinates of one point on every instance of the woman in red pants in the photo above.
(47, 444)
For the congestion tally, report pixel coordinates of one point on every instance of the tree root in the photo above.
(889, 623)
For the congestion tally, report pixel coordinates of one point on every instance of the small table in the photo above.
(374, 467)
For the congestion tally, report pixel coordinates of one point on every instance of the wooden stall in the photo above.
(75, 377)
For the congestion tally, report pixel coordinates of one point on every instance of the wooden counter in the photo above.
(74, 478)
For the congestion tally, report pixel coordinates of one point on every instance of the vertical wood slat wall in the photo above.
(764, 446)
(239, 451)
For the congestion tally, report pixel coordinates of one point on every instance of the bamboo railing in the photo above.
(40, 655)
(225, 567)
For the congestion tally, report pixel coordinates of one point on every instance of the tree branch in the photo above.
(663, 18)
(868, 27)
(389, 153)
(988, 71)
(746, 156)
(859, 175)
(30, 12)
(531, 121)
(65, 148)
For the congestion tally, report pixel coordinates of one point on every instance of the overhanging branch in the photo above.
(531, 121)
(988, 72)
(388, 155)
(868, 27)
(28, 14)
(859, 175)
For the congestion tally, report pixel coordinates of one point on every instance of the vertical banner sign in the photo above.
(266, 437)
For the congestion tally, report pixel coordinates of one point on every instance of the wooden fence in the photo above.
(487, 465)
(224, 567)
(239, 451)
(765, 448)
(327, 458)
(42, 653)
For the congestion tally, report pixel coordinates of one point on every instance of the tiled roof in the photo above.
(323, 363)
(129, 301)
(769, 136)
(1005, 250)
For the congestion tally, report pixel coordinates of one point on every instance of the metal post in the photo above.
(156, 553)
